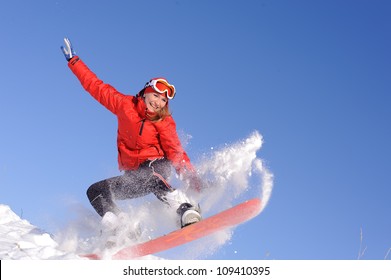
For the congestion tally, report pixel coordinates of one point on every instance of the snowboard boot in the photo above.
(108, 231)
(118, 230)
(188, 214)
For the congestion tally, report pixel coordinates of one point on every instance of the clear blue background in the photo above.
(313, 77)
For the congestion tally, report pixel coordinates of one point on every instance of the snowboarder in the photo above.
(148, 145)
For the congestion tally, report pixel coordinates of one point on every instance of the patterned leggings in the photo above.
(150, 177)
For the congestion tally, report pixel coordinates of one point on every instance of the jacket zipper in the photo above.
(142, 127)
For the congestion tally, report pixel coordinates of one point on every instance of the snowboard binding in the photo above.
(188, 214)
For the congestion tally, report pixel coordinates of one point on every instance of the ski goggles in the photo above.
(162, 86)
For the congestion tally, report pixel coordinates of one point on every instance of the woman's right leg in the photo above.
(101, 198)
(127, 186)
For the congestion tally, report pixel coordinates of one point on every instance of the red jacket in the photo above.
(138, 138)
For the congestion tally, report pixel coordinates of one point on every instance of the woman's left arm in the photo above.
(172, 146)
(176, 154)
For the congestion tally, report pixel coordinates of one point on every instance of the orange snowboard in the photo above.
(228, 218)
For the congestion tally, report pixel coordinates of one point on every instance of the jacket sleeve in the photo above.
(105, 94)
(172, 146)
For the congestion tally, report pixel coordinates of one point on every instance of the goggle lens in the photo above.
(162, 86)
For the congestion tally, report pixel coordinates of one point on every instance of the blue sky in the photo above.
(313, 77)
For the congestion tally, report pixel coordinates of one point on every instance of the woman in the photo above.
(148, 144)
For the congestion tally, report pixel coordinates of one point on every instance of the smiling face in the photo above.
(154, 101)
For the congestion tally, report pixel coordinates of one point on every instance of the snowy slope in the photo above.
(21, 240)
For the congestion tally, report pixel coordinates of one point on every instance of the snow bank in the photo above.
(23, 241)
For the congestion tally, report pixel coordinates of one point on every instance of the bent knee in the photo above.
(97, 189)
